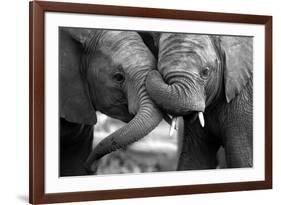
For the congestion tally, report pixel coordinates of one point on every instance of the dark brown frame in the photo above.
(36, 100)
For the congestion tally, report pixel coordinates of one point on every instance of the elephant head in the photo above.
(102, 70)
(196, 70)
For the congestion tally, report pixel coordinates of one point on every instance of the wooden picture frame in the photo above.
(37, 10)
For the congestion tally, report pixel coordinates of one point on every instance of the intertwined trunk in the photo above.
(175, 89)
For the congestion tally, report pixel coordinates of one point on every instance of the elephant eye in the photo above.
(119, 77)
(205, 72)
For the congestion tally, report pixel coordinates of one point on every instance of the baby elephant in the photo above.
(102, 70)
(208, 78)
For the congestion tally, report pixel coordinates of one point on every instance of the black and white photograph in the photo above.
(143, 101)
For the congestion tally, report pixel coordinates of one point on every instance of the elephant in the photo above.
(207, 79)
(101, 70)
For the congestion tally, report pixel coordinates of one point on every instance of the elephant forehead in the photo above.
(121, 41)
(134, 57)
(126, 48)
(179, 45)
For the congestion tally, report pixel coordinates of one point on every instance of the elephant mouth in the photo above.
(127, 118)
(119, 111)
(191, 116)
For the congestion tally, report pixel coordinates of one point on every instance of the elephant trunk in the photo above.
(147, 118)
(180, 90)
(178, 97)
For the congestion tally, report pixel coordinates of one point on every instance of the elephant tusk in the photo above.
(173, 126)
(201, 119)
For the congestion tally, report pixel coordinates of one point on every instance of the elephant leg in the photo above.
(237, 126)
(238, 149)
(75, 147)
(199, 148)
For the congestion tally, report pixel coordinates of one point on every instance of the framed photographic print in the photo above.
(138, 102)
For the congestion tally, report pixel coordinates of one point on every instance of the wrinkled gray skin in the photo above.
(213, 75)
(102, 71)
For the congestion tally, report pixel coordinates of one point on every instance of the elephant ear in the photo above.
(238, 63)
(75, 103)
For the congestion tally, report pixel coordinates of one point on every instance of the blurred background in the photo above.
(154, 153)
